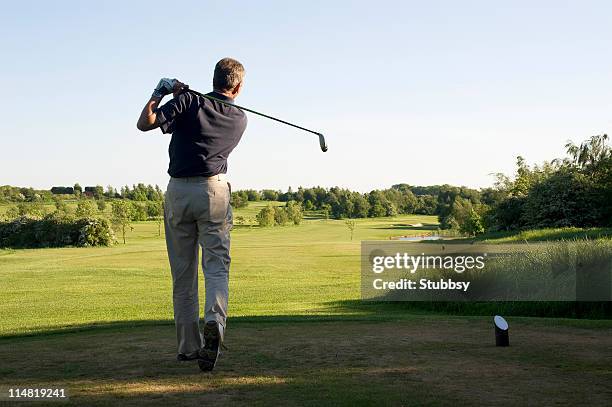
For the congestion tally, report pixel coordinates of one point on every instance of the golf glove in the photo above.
(164, 87)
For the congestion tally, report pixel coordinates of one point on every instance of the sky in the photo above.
(405, 91)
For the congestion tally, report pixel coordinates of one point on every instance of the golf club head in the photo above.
(322, 142)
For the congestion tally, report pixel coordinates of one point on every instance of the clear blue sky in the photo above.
(416, 92)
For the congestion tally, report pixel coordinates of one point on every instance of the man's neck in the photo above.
(228, 94)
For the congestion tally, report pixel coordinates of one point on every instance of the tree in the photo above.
(359, 206)
(280, 216)
(253, 195)
(121, 216)
(111, 192)
(98, 192)
(590, 154)
(139, 193)
(239, 200)
(11, 213)
(326, 210)
(31, 209)
(139, 212)
(78, 190)
(427, 205)
(350, 224)
(86, 208)
(265, 217)
(60, 205)
(155, 210)
(294, 212)
(125, 192)
(390, 209)
(269, 195)
(101, 204)
(472, 225)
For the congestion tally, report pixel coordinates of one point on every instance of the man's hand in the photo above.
(148, 118)
(178, 87)
(167, 86)
(164, 87)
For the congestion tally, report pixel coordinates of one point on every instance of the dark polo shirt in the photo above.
(204, 133)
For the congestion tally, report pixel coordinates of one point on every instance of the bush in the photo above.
(31, 209)
(11, 213)
(239, 200)
(155, 209)
(55, 230)
(95, 232)
(86, 208)
(294, 212)
(265, 217)
(280, 216)
(101, 204)
(139, 212)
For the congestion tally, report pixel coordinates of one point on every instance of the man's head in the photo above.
(228, 77)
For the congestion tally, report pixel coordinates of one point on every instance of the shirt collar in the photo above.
(221, 96)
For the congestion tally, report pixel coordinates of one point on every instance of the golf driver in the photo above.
(322, 142)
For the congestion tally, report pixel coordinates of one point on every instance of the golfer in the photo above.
(197, 206)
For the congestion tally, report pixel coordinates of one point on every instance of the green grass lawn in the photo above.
(291, 270)
(99, 321)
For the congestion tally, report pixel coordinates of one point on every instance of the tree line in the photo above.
(138, 192)
(575, 190)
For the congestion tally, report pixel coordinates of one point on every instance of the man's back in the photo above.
(204, 133)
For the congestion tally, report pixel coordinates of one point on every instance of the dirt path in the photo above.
(435, 362)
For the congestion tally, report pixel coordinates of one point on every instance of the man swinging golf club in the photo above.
(197, 205)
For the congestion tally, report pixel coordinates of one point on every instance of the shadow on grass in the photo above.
(371, 311)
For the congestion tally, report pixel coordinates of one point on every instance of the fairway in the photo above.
(99, 322)
(291, 270)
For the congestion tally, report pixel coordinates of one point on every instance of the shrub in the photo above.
(101, 204)
(95, 232)
(55, 230)
(31, 209)
(239, 200)
(265, 217)
(139, 212)
(86, 208)
(294, 212)
(11, 213)
(155, 209)
(280, 216)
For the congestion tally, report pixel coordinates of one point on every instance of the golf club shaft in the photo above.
(321, 137)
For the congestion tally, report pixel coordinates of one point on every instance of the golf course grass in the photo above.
(98, 321)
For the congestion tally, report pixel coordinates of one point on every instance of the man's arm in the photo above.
(148, 117)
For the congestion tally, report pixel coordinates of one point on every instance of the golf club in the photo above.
(322, 142)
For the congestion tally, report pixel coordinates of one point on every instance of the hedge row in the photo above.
(56, 230)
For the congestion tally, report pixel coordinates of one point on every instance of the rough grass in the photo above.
(418, 361)
(537, 235)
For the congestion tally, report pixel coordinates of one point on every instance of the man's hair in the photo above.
(228, 74)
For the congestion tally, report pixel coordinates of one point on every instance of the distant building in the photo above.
(62, 190)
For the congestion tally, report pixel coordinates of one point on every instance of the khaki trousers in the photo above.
(197, 213)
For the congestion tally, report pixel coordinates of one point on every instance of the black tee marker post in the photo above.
(501, 331)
